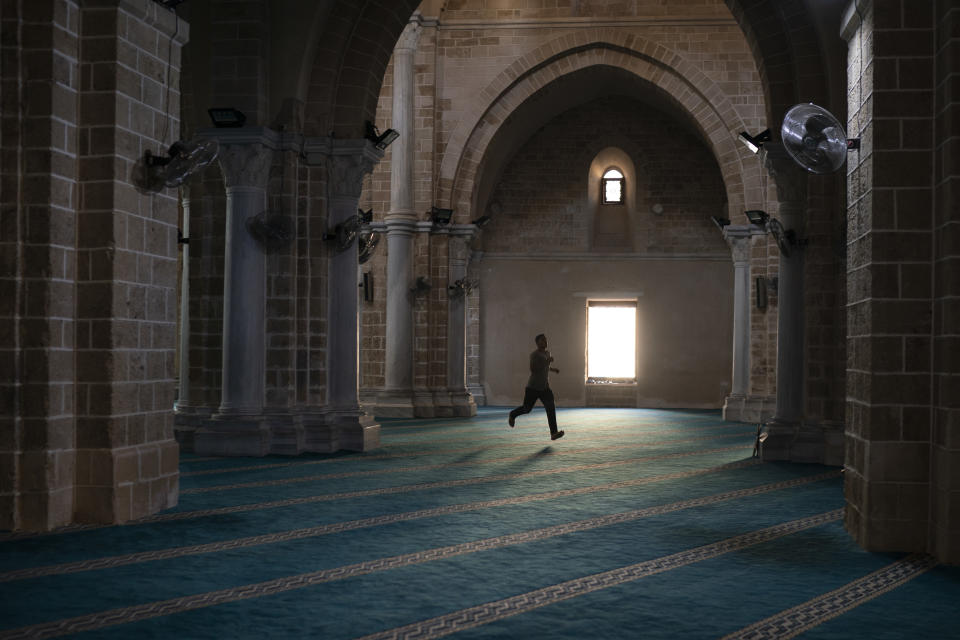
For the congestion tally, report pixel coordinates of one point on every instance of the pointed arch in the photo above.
(686, 85)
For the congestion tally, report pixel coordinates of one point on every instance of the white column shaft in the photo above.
(741, 328)
(402, 152)
(183, 390)
(343, 333)
(398, 374)
(243, 305)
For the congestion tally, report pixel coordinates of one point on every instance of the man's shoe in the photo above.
(556, 436)
(510, 420)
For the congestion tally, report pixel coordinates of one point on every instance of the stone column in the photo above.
(396, 399)
(738, 237)
(187, 416)
(788, 436)
(237, 428)
(345, 426)
(183, 384)
(460, 399)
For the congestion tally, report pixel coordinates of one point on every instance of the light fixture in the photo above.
(720, 222)
(365, 217)
(440, 216)
(757, 217)
(755, 142)
(380, 140)
(482, 221)
(226, 117)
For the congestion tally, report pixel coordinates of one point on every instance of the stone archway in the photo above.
(688, 87)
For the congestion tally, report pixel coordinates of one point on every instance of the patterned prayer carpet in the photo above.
(637, 524)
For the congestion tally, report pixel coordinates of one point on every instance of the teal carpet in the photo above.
(637, 524)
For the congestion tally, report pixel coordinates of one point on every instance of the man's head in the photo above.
(541, 341)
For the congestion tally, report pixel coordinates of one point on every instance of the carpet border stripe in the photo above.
(434, 627)
(803, 617)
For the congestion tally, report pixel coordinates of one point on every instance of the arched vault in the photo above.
(633, 66)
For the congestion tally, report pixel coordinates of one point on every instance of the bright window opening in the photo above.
(611, 342)
(612, 184)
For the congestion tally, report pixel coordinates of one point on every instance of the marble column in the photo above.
(237, 428)
(187, 416)
(460, 399)
(739, 239)
(397, 397)
(183, 373)
(344, 424)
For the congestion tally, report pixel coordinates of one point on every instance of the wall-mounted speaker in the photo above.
(761, 289)
(367, 286)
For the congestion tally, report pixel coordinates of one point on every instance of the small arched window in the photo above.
(611, 187)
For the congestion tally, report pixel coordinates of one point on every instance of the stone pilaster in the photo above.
(460, 399)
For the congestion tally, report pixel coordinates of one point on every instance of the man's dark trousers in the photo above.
(530, 396)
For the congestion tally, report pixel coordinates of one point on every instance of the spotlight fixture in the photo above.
(755, 142)
(440, 216)
(482, 221)
(226, 117)
(380, 140)
(720, 222)
(366, 217)
(757, 217)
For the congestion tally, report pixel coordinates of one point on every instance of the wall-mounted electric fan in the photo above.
(461, 288)
(785, 238)
(367, 242)
(344, 234)
(273, 230)
(815, 139)
(183, 159)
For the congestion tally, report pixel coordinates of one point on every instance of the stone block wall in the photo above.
(39, 183)
(891, 234)
(945, 453)
(88, 90)
(543, 191)
(126, 263)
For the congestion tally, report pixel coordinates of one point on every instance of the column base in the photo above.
(350, 430)
(739, 408)
(392, 404)
(462, 403)
(420, 403)
(425, 405)
(223, 434)
(287, 434)
(479, 394)
(803, 442)
(186, 421)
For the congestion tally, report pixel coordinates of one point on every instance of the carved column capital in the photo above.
(348, 162)
(411, 35)
(790, 179)
(738, 238)
(245, 165)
